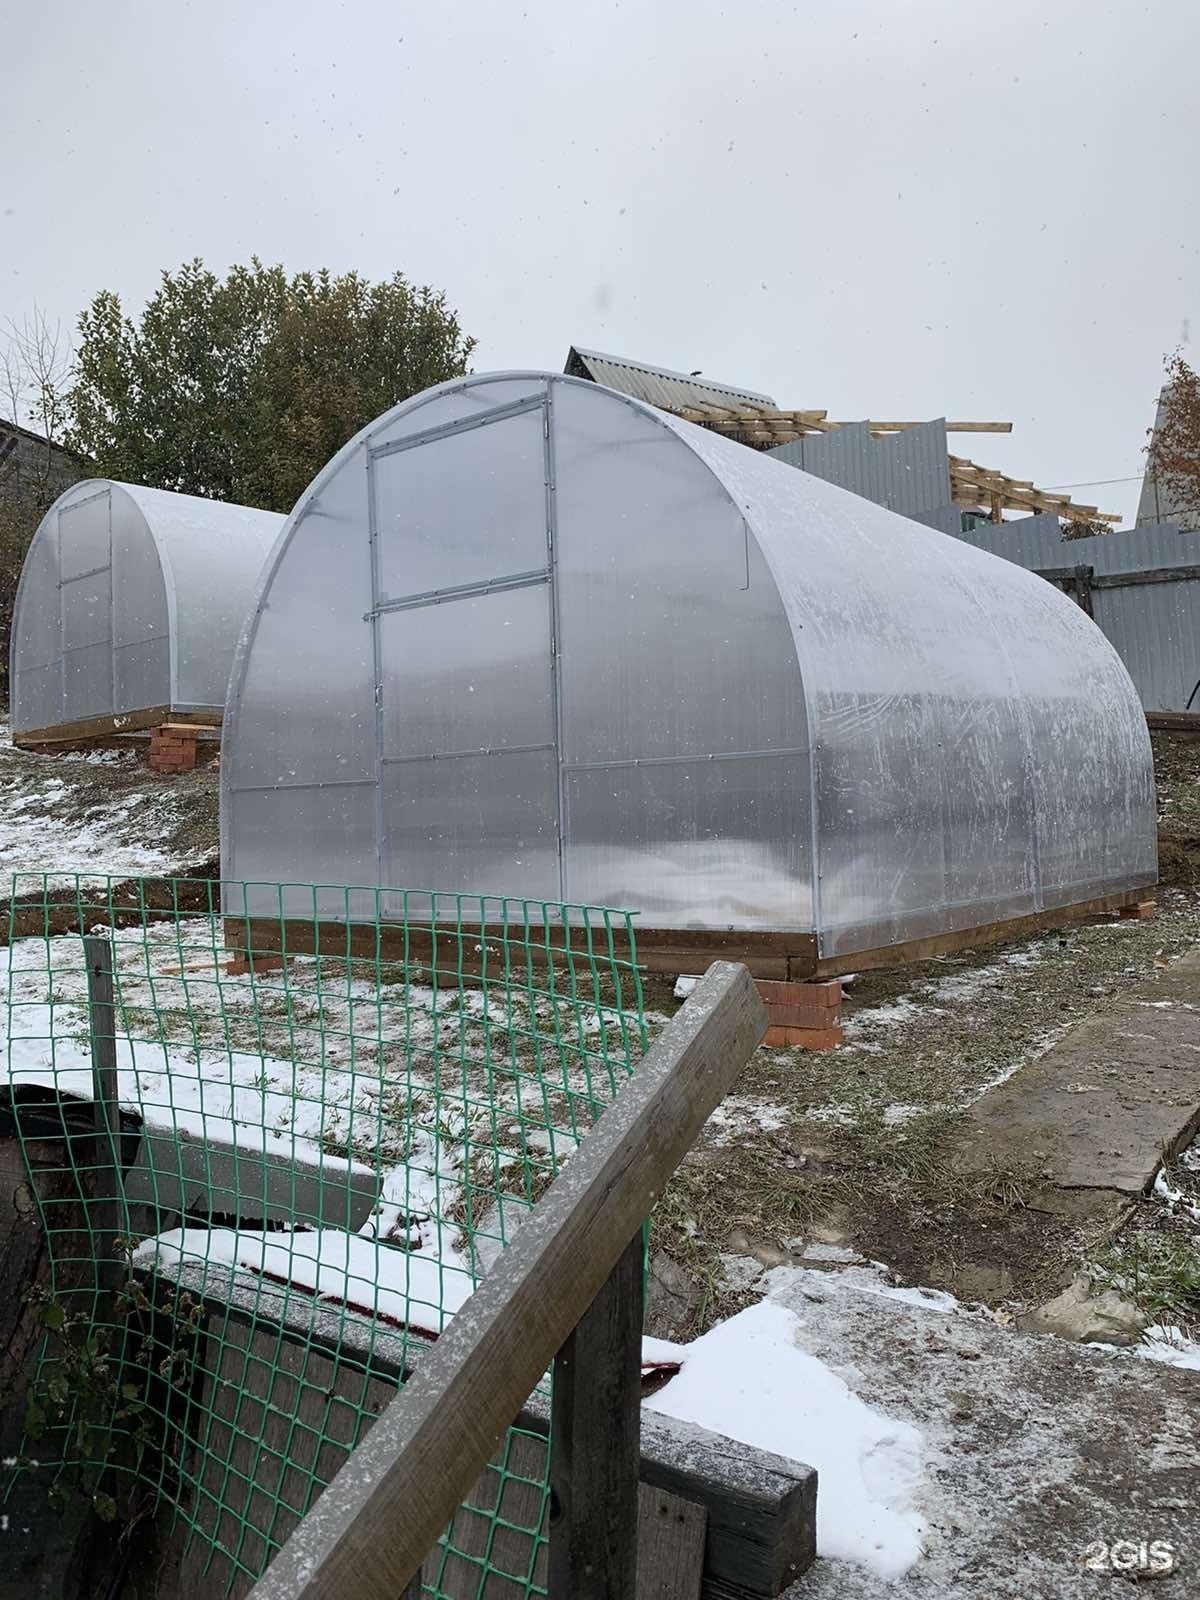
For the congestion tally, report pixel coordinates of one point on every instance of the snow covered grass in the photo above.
(98, 812)
(463, 1099)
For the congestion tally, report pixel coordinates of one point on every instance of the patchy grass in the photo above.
(1159, 1272)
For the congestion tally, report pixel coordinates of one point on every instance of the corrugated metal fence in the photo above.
(906, 472)
(1142, 586)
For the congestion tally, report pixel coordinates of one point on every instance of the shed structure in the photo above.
(128, 608)
(525, 635)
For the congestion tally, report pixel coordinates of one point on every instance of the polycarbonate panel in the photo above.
(83, 536)
(212, 555)
(301, 836)
(139, 590)
(674, 639)
(87, 682)
(37, 697)
(37, 620)
(706, 844)
(469, 674)
(951, 697)
(450, 405)
(1092, 768)
(86, 611)
(306, 707)
(141, 673)
(463, 508)
(475, 824)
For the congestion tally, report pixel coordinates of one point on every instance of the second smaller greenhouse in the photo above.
(128, 608)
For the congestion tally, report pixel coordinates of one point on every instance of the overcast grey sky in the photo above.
(901, 208)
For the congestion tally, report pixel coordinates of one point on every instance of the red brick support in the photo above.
(1142, 911)
(804, 1016)
(172, 748)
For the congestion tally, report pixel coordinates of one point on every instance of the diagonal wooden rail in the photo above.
(366, 1537)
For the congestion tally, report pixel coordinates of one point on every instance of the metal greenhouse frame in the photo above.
(128, 608)
(528, 636)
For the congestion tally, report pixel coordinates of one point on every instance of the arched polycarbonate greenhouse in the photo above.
(528, 636)
(128, 609)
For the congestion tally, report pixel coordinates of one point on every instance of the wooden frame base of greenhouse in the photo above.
(92, 730)
(259, 943)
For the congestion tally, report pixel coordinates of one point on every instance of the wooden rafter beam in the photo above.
(984, 489)
(746, 419)
(972, 486)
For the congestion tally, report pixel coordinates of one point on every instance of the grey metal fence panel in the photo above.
(907, 472)
(1153, 626)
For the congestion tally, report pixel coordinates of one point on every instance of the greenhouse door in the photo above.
(469, 791)
(85, 607)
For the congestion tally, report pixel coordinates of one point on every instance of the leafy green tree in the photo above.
(241, 389)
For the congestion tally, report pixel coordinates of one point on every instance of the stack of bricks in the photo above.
(172, 748)
(804, 1015)
(1140, 911)
(242, 962)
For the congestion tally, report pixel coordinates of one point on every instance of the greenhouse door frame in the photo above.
(541, 576)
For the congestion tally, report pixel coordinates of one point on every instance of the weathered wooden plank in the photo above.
(939, 944)
(373, 1526)
(89, 728)
(177, 1171)
(670, 1546)
(595, 1441)
(1185, 722)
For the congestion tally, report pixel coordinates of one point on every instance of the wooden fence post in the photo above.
(595, 1442)
(106, 1159)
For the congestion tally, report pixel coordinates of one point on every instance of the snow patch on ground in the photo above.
(740, 1114)
(747, 1378)
(32, 841)
(1166, 1343)
(886, 1015)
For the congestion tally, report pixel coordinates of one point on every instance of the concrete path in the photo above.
(1097, 1111)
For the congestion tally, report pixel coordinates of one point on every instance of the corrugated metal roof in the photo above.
(658, 386)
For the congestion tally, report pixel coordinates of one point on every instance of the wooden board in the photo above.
(90, 728)
(781, 956)
(942, 944)
(1185, 722)
(670, 1546)
(595, 1441)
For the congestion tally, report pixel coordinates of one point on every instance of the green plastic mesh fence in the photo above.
(325, 1130)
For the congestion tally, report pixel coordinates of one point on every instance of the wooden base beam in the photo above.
(790, 957)
(65, 734)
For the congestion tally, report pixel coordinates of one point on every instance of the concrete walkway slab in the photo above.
(1101, 1107)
